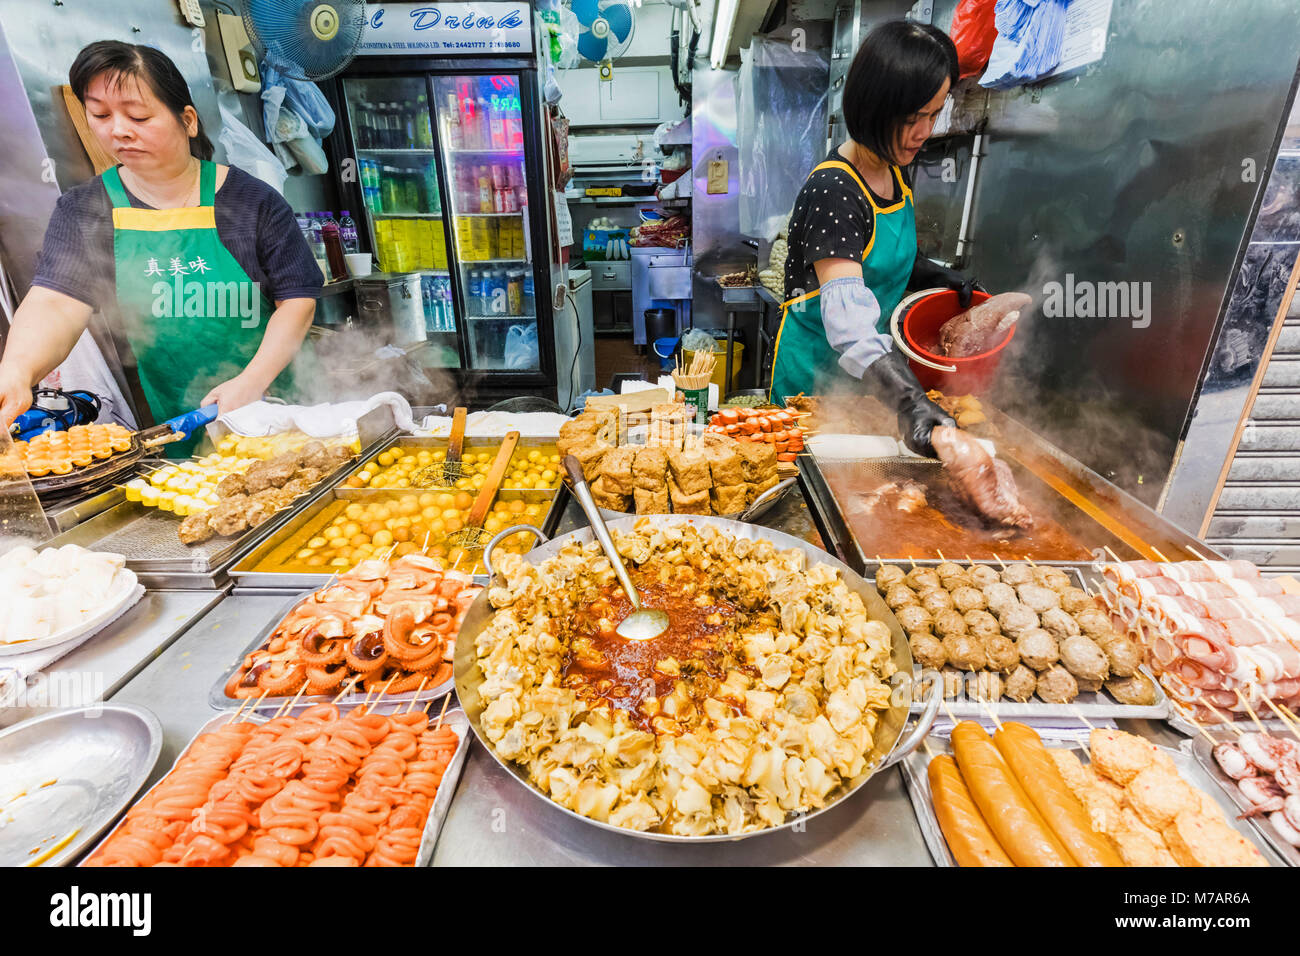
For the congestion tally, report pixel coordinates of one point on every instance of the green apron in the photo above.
(804, 360)
(191, 314)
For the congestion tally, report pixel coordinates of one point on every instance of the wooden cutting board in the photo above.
(100, 159)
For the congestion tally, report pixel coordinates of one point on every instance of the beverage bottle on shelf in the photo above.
(384, 116)
(338, 266)
(483, 134)
(474, 293)
(469, 119)
(500, 176)
(529, 307)
(408, 125)
(423, 130)
(411, 191)
(514, 123)
(314, 235)
(515, 291)
(348, 232)
(454, 130)
(497, 122)
(432, 200)
(485, 202)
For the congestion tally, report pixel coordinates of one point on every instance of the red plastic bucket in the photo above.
(920, 323)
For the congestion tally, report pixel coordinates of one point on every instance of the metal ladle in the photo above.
(643, 623)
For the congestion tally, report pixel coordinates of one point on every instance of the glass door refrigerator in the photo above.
(449, 166)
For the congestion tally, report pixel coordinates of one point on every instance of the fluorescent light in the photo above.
(723, 24)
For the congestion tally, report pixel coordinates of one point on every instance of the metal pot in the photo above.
(891, 745)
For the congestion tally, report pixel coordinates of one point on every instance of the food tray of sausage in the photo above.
(366, 787)
(1105, 798)
(1026, 640)
(384, 627)
(1260, 772)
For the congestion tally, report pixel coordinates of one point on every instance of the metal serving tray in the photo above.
(472, 445)
(455, 719)
(218, 700)
(66, 777)
(1093, 704)
(1203, 754)
(250, 577)
(848, 535)
(147, 537)
(917, 763)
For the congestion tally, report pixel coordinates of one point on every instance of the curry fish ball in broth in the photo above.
(921, 578)
(900, 596)
(936, 600)
(981, 576)
(913, 617)
(889, 576)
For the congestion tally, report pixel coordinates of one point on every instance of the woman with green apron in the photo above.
(200, 268)
(852, 235)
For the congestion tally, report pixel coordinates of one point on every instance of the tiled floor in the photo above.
(618, 354)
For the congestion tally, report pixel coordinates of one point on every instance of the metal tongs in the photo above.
(179, 428)
(643, 623)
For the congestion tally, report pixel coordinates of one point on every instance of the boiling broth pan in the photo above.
(891, 744)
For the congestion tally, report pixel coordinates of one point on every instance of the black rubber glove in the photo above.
(891, 380)
(928, 274)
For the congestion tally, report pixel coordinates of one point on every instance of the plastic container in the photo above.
(720, 366)
(920, 322)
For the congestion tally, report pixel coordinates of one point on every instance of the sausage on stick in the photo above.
(969, 838)
(1020, 829)
(1037, 773)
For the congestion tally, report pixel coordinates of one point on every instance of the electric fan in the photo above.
(315, 38)
(604, 31)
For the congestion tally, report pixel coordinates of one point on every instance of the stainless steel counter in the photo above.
(494, 822)
(103, 665)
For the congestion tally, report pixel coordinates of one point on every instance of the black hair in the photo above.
(899, 68)
(145, 64)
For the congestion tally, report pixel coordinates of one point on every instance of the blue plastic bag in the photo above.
(302, 96)
(1030, 34)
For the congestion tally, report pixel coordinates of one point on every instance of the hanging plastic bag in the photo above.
(973, 32)
(291, 136)
(245, 150)
(1028, 47)
(303, 96)
(521, 347)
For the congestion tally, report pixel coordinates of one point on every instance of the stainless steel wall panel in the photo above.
(1241, 528)
(1276, 407)
(1264, 468)
(1282, 372)
(1255, 498)
(1276, 438)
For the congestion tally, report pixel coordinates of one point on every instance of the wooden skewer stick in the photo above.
(1199, 556)
(1282, 717)
(913, 560)
(442, 713)
(424, 548)
(1159, 555)
(1112, 554)
(944, 700)
(941, 557)
(925, 742)
(1232, 724)
(252, 710)
(999, 561)
(423, 680)
(1287, 710)
(992, 712)
(382, 691)
(1030, 561)
(347, 686)
(1204, 733)
(287, 706)
(1241, 699)
(242, 704)
(1079, 713)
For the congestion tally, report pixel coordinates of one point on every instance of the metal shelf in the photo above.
(392, 149)
(406, 215)
(489, 262)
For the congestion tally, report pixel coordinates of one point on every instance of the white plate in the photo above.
(126, 591)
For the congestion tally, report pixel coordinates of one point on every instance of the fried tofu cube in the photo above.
(1117, 755)
(1158, 797)
(649, 469)
(651, 502)
(690, 471)
(757, 460)
(1197, 840)
(589, 453)
(729, 499)
(756, 488)
(607, 499)
(685, 503)
(616, 469)
(724, 463)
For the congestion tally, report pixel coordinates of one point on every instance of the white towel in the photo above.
(495, 425)
(319, 421)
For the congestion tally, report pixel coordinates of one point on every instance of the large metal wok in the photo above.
(891, 745)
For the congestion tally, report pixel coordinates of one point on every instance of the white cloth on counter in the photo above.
(320, 421)
(494, 425)
(833, 447)
(17, 669)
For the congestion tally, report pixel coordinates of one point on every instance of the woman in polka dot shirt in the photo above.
(852, 234)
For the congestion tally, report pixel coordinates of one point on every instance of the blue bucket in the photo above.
(664, 348)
